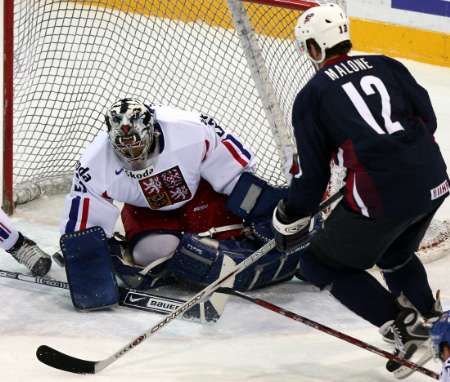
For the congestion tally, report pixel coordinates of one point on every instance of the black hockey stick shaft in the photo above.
(330, 331)
(62, 361)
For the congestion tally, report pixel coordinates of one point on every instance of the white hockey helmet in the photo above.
(131, 131)
(326, 24)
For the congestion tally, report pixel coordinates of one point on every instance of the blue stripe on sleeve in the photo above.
(239, 146)
(73, 215)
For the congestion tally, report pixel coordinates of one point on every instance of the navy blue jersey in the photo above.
(371, 116)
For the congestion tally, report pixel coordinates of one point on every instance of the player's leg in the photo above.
(340, 253)
(154, 236)
(354, 288)
(403, 271)
(24, 250)
(352, 241)
(151, 239)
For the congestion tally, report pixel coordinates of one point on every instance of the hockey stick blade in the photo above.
(58, 360)
(335, 333)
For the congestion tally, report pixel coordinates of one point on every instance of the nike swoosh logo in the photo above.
(136, 299)
(118, 172)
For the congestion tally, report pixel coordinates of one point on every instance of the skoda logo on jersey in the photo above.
(140, 174)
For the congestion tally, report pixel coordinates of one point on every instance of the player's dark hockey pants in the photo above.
(351, 243)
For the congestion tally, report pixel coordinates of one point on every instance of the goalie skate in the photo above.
(26, 252)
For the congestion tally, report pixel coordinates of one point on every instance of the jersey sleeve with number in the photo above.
(193, 147)
(225, 158)
(371, 116)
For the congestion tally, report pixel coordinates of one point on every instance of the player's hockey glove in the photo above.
(290, 232)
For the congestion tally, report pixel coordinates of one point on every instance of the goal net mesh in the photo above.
(73, 59)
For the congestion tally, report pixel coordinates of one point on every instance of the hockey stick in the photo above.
(134, 299)
(62, 361)
(328, 330)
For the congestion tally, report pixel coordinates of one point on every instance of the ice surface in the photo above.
(247, 344)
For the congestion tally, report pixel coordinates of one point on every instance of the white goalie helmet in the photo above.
(326, 24)
(131, 131)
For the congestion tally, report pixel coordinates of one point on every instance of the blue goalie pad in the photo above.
(253, 198)
(196, 260)
(89, 269)
(199, 261)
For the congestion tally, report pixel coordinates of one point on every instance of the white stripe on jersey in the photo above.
(358, 199)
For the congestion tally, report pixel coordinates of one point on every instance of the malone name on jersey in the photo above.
(348, 67)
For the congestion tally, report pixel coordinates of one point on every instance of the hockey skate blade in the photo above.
(425, 355)
(54, 358)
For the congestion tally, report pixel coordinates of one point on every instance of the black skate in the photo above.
(409, 335)
(26, 252)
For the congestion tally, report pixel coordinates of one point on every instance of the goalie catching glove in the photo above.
(290, 232)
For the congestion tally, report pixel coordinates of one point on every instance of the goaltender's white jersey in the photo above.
(445, 373)
(192, 145)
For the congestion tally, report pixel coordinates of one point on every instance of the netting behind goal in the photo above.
(73, 59)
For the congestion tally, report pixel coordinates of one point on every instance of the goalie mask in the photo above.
(131, 131)
(326, 24)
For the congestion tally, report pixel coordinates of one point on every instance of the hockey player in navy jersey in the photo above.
(370, 115)
(23, 249)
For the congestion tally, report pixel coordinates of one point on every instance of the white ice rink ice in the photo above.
(247, 344)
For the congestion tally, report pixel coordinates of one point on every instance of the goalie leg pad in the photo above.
(253, 198)
(89, 270)
(199, 261)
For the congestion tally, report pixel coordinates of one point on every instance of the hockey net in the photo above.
(67, 61)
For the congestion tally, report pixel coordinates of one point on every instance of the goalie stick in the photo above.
(209, 311)
(65, 362)
(335, 333)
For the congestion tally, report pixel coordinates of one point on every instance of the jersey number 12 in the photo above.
(370, 84)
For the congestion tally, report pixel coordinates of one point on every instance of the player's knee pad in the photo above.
(200, 260)
(253, 198)
(89, 270)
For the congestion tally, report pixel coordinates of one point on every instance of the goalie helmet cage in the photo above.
(67, 61)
